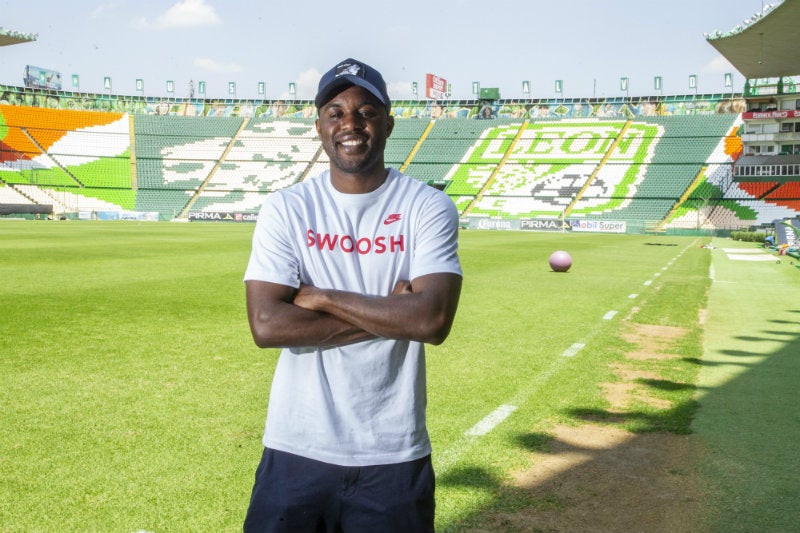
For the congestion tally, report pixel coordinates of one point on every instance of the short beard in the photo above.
(365, 166)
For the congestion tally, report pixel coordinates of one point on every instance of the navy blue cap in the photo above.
(352, 72)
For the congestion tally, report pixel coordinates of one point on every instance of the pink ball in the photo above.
(560, 261)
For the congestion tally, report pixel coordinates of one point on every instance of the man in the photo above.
(351, 272)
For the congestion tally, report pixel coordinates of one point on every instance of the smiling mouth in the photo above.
(352, 143)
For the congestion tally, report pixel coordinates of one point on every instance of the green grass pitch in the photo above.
(132, 397)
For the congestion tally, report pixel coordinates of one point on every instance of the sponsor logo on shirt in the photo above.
(361, 245)
(394, 217)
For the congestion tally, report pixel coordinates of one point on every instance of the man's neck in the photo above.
(358, 183)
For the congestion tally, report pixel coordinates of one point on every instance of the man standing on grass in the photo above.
(351, 273)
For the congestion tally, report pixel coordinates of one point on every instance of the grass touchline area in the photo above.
(133, 397)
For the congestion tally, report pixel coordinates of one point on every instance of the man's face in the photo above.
(353, 127)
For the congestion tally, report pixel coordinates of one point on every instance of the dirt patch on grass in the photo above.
(628, 390)
(622, 395)
(598, 477)
(652, 340)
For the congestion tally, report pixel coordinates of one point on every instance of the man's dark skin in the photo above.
(353, 127)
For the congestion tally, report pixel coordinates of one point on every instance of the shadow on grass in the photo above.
(675, 420)
(666, 385)
(594, 476)
(470, 476)
(738, 474)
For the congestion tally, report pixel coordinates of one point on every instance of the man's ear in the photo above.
(389, 125)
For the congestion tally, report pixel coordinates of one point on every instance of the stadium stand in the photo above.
(175, 156)
(266, 155)
(654, 170)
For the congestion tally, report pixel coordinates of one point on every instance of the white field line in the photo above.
(450, 456)
(491, 420)
(753, 257)
(573, 350)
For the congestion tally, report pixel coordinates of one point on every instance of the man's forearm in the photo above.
(424, 316)
(292, 326)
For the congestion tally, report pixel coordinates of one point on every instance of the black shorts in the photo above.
(293, 494)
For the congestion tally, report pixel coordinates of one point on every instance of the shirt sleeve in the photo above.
(436, 249)
(273, 257)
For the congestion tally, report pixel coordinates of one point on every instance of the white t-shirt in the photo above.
(363, 403)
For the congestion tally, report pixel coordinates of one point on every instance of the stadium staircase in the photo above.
(497, 169)
(595, 172)
(698, 181)
(184, 214)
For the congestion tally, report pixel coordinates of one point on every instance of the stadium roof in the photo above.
(765, 45)
(9, 37)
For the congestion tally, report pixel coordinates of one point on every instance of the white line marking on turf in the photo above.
(491, 420)
(573, 350)
(609, 315)
(449, 457)
(752, 257)
(633, 296)
(648, 282)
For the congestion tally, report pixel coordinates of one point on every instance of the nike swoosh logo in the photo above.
(392, 218)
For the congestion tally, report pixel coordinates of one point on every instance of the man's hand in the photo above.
(402, 287)
(305, 297)
(311, 298)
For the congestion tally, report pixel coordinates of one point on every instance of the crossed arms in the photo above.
(420, 310)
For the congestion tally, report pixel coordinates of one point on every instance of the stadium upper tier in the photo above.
(533, 108)
(646, 169)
